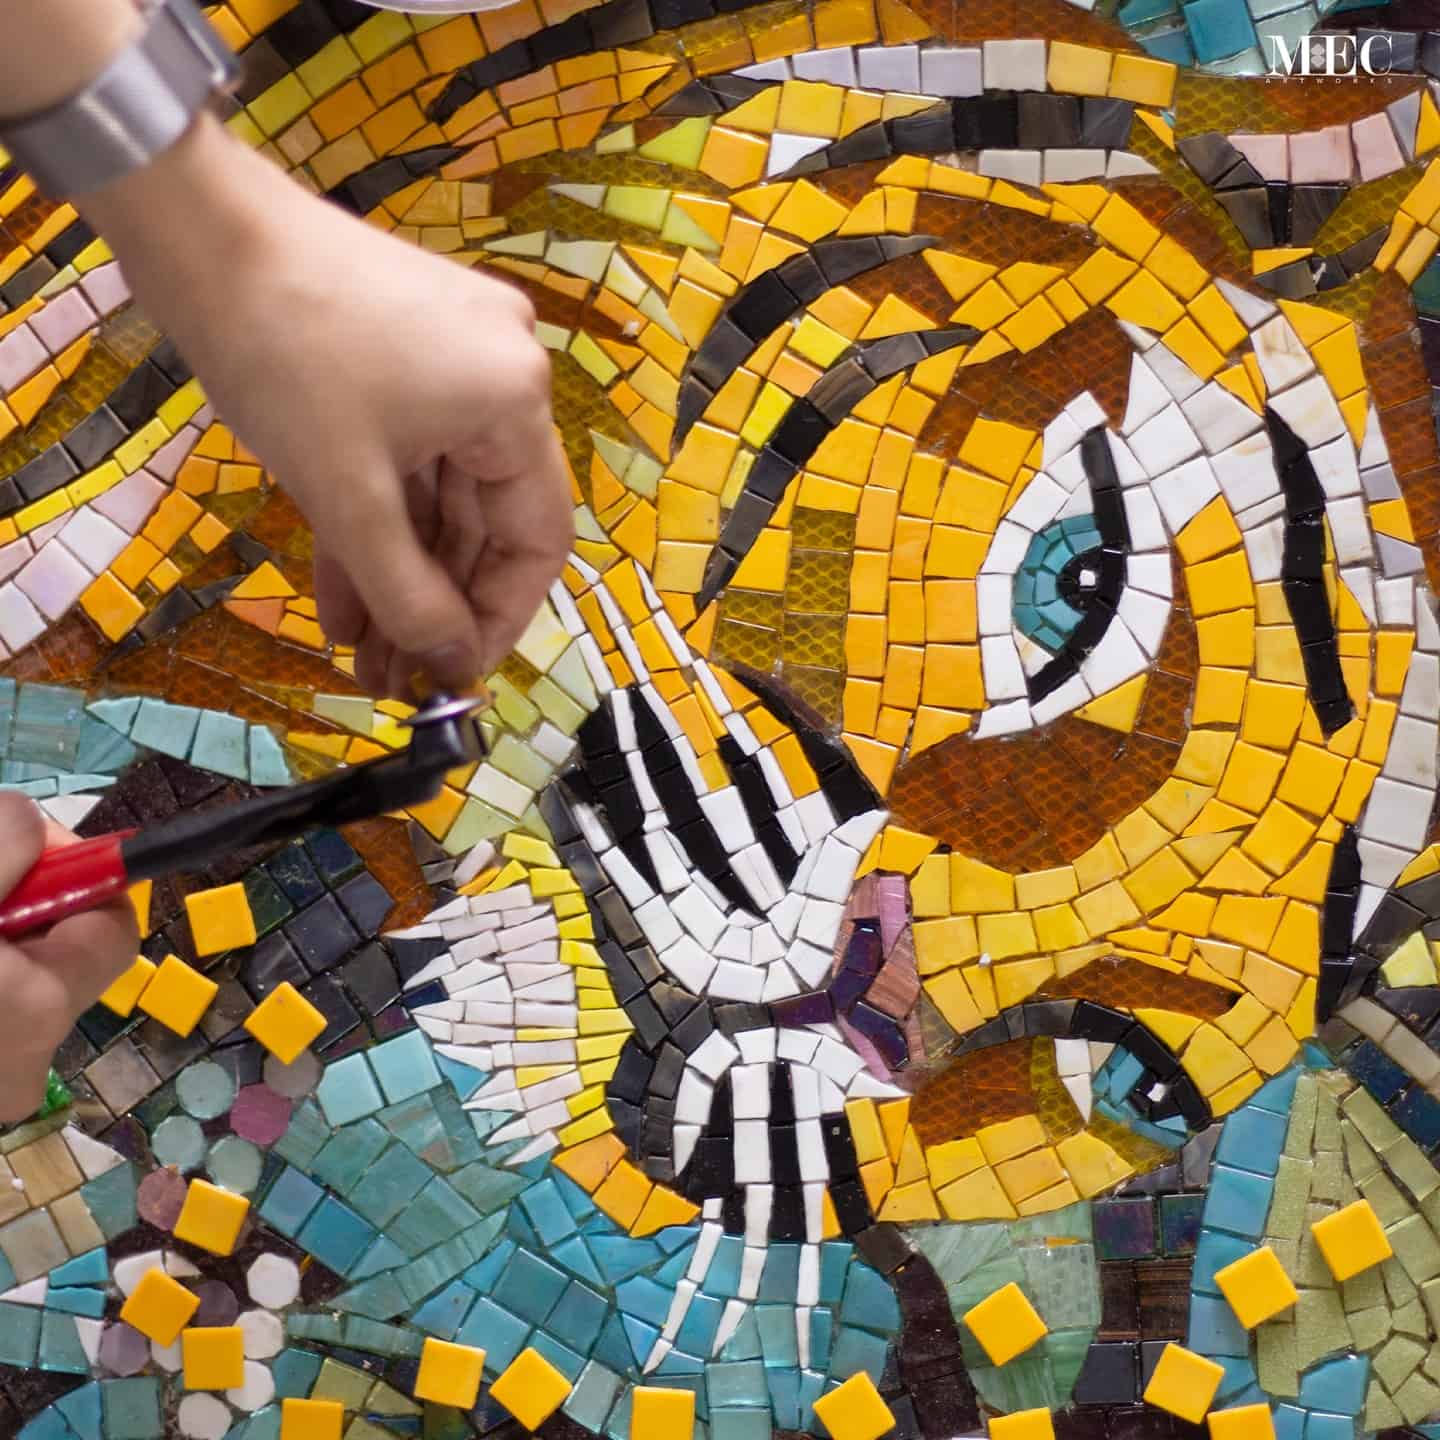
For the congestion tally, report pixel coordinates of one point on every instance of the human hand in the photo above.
(51, 978)
(402, 400)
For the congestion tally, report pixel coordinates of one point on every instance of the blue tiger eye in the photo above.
(1049, 576)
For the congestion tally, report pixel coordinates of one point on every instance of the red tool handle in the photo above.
(66, 881)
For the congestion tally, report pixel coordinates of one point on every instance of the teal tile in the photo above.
(221, 744)
(46, 726)
(91, 1268)
(347, 1091)
(60, 1347)
(19, 1334)
(268, 765)
(404, 1066)
(132, 1409)
(82, 1409)
(593, 1397)
(110, 1199)
(170, 729)
(294, 1371)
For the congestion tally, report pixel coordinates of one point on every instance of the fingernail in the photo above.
(452, 667)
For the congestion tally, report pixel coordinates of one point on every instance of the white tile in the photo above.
(1022, 167)
(951, 71)
(1310, 410)
(1185, 491)
(1219, 417)
(1014, 64)
(752, 1152)
(835, 66)
(890, 67)
(1164, 441)
(1065, 166)
(787, 150)
(1282, 358)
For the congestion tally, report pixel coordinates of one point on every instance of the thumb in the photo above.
(410, 599)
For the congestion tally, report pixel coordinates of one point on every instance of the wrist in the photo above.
(206, 206)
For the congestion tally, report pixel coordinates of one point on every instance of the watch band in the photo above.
(137, 108)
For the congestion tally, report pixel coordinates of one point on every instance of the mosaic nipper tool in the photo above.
(68, 880)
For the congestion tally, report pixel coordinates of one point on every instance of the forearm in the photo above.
(50, 49)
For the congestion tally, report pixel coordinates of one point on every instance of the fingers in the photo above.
(342, 611)
(86, 953)
(22, 838)
(411, 602)
(530, 526)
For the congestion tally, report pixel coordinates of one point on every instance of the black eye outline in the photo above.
(1099, 604)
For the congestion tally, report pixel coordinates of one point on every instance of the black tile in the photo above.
(322, 935)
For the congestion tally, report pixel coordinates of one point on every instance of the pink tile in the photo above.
(54, 580)
(1267, 153)
(39, 536)
(1376, 147)
(21, 355)
(67, 317)
(106, 288)
(1321, 155)
(130, 502)
(20, 621)
(93, 540)
(171, 455)
(14, 556)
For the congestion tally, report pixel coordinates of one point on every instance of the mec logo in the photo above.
(1330, 56)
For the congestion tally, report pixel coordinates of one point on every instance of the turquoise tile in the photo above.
(1336, 1385)
(290, 1201)
(738, 1424)
(262, 1425)
(46, 726)
(531, 1288)
(640, 1336)
(132, 1409)
(778, 1343)
(1214, 1330)
(347, 1091)
(501, 1335)
(1215, 1251)
(335, 1235)
(575, 1256)
(60, 1347)
(443, 1314)
(19, 1334)
(835, 1256)
(103, 746)
(49, 1424)
(1289, 1422)
(869, 1301)
(268, 765)
(305, 1137)
(404, 1066)
(82, 1409)
(1218, 28)
(390, 1184)
(1252, 1139)
(857, 1350)
(548, 1212)
(221, 744)
(701, 1324)
(643, 1297)
(1277, 1094)
(295, 1372)
(1320, 1426)
(91, 1268)
(567, 1361)
(729, 1383)
(384, 1254)
(76, 1300)
(577, 1317)
(590, 1402)
(110, 1199)
(1237, 1201)
(170, 729)
(119, 714)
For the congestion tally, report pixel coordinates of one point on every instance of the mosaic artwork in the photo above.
(945, 939)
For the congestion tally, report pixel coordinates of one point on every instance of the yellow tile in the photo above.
(177, 996)
(285, 1022)
(214, 1357)
(1022, 1425)
(1093, 1165)
(1005, 1323)
(1078, 69)
(1143, 80)
(1338, 356)
(1101, 274)
(1033, 325)
(807, 211)
(211, 1218)
(531, 1389)
(220, 919)
(1242, 1422)
(1351, 1240)
(123, 994)
(1184, 1383)
(659, 1414)
(1187, 341)
(449, 1374)
(1120, 224)
(1257, 1287)
(855, 1411)
(311, 1419)
(159, 1307)
(1144, 301)
(996, 447)
(1218, 319)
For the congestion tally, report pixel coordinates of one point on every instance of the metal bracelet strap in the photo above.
(136, 109)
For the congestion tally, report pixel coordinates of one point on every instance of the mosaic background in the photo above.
(945, 940)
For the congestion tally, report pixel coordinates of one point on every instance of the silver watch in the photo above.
(137, 108)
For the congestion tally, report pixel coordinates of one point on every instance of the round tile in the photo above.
(178, 1142)
(258, 1389)
(205, 1090)
(234, 1164)
(264, 1334)
(203, 1417)
(274, 1282)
